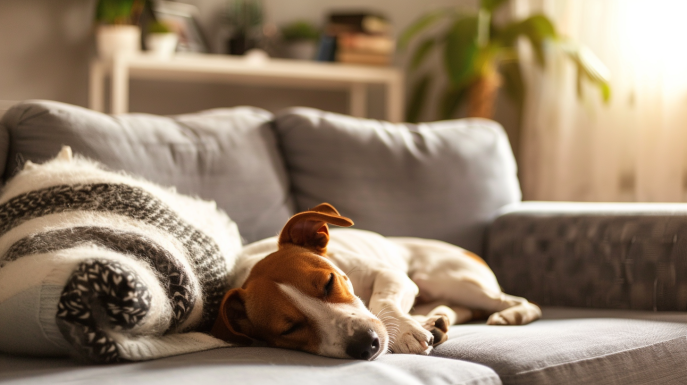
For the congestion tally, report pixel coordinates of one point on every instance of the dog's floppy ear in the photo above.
(309, 228)
(232, 322)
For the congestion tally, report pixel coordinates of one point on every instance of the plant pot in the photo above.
(118, 39)
(239, 44)
(162, 45)
(301, 49)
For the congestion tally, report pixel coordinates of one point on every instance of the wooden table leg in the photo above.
(395, 97)
(358, 100)
(96, 80)
(120, 86)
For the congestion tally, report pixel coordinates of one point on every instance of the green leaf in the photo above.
(513, 83)
(537, 29)
(605, 92)
(491, 5)
(425, 21)
(589, 66)
(461, 51)
(114, 11)
(421, 53)
(418, 98)
(451, 100)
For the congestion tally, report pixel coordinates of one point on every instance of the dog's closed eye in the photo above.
(329, 286)
(293, 328)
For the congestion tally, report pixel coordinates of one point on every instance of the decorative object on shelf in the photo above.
(117, 30)
(181, 19)
(357, 38)
(161, 41)
(300, 40)
(245, 18)
(479, 55)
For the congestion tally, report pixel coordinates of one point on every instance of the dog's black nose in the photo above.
(363, 345)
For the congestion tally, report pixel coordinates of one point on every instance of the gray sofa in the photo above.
(611, 278)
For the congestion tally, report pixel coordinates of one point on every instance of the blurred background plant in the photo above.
(119, 12)
(300, 39)
(245, 17)
(479, 57)
(159, 27)
(300, 30)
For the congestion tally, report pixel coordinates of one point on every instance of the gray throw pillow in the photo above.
(226, 155)
(442, 180)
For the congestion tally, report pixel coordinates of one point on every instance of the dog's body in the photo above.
(350, 296)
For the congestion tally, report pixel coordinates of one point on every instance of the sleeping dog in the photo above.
(348, 293)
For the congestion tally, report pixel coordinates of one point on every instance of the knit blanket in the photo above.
(114, 268)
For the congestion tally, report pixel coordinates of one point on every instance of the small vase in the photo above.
(162, 45)
(301, 50)
(118, 39)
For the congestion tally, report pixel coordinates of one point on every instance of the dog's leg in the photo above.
(520, 313)
(393, 294)
(504, 309)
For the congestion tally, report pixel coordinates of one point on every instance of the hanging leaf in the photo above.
(421, 53)
(420, 25)
(513, 82)
(461, 51)
(537, 29)
(451, 100)
(589, 66)
(417, 100)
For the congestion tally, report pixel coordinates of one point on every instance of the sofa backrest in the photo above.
(443, 180)
(226, 155)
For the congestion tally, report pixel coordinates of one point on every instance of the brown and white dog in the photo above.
(349, 296)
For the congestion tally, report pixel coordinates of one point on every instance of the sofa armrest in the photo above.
(602, 255)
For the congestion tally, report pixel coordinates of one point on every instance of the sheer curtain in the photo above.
(631, 149)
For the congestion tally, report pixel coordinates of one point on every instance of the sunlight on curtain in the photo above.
(632, 149)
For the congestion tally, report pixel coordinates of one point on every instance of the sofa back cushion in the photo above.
(226, 155)
(442, 180)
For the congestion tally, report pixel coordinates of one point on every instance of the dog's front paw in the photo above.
(412, 338)
(438, 326)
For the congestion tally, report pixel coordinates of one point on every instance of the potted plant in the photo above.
(160, 40)
(480, 56)
(117, 27)
(300, 40)
(245, 18)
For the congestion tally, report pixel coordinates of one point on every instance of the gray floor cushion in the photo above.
(599, 347)
(250, 366)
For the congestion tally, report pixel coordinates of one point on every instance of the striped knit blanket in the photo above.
(118, 269)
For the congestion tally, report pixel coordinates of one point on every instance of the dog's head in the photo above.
(295, 298)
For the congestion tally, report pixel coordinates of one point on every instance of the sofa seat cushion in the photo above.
(442, 180)
(602, 347)
(251, 366)
(226, 155)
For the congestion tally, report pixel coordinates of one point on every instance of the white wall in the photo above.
(44, 49)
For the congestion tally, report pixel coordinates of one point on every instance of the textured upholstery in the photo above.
(622, 256)
(578, 348)
(442, 180)
(4, 146)
(251, 366)
(226, 155)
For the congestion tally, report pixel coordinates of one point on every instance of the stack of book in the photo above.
(359, 38)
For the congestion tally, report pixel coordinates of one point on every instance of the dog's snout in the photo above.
(364, 345)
